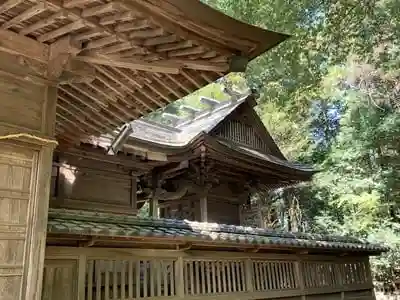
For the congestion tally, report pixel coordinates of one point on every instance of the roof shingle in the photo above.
(111, 225)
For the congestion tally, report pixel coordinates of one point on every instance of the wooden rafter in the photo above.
(119, 60)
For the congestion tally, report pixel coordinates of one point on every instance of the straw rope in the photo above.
(30, 136)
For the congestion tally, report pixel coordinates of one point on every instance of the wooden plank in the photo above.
(14, 43)
(61, 15)
(62, 30)
(106, 253)
(7, 5)
(60, 53)
(170, 66)
(27, 14)
(37, 106)
(134, 25)
(99, 9)
(14, 213)
(133, 64)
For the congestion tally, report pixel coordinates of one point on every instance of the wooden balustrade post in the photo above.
(81, 280)
(300, 277)
(340, 274)
(369, 278)
(249, 275)
(179, 278)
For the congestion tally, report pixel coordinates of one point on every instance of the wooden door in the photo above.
(16, 168)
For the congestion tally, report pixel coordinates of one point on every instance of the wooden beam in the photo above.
(14, 43)
(62, 30)
(61, 15)
(170, 66)
(77, 72)
(203, 209)
(27, 14)
(133, 64)
(7, 5)
(202, 65)
(99, 9)
(60, 53)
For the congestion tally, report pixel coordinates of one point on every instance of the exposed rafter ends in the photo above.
(134, 56)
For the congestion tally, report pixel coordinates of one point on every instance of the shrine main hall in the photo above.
(79, 158)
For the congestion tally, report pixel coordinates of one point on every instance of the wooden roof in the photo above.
(169, 144)
(116, 61)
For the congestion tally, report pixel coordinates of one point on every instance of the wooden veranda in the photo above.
(159, 274)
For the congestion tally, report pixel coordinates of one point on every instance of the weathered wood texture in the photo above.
(222, 207)
(133, 56)
(25, 166)
(222, 212)
(92, 185)
(189, 208)
(106, 274)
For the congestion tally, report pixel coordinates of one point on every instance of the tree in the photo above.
(330, 97)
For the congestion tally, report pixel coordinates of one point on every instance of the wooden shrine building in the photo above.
(203, 167)
(197, 173)
(74, 71)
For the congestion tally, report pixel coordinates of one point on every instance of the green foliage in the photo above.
(213, 90)
(330, 96)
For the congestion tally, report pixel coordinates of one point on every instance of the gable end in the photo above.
(241, 133)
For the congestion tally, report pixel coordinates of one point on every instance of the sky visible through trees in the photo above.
(330, 96)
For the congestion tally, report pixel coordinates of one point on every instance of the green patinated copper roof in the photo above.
(85, 223)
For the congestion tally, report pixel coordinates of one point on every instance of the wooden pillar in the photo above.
(261, 222)
(299, 275)
(134, 194)
(203, 208)
(29, 109)
(154, 207)
(155, 183)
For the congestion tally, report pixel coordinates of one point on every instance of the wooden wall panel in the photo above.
(16, 166)
(26, 108)
(183, 209)
(14, 109)
(93, 185)
(60, 279)
(223, 212)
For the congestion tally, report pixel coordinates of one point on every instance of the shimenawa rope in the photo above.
(30, 136)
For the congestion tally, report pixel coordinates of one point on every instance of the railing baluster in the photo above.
(249, 275)
(179, 280)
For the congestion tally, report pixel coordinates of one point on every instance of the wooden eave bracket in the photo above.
(58, 56)
(61, 52)
(77, 72)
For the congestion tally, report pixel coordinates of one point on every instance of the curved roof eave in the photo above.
(296, 170)
(219, 27)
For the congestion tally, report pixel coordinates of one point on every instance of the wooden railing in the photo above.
(115, 274)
